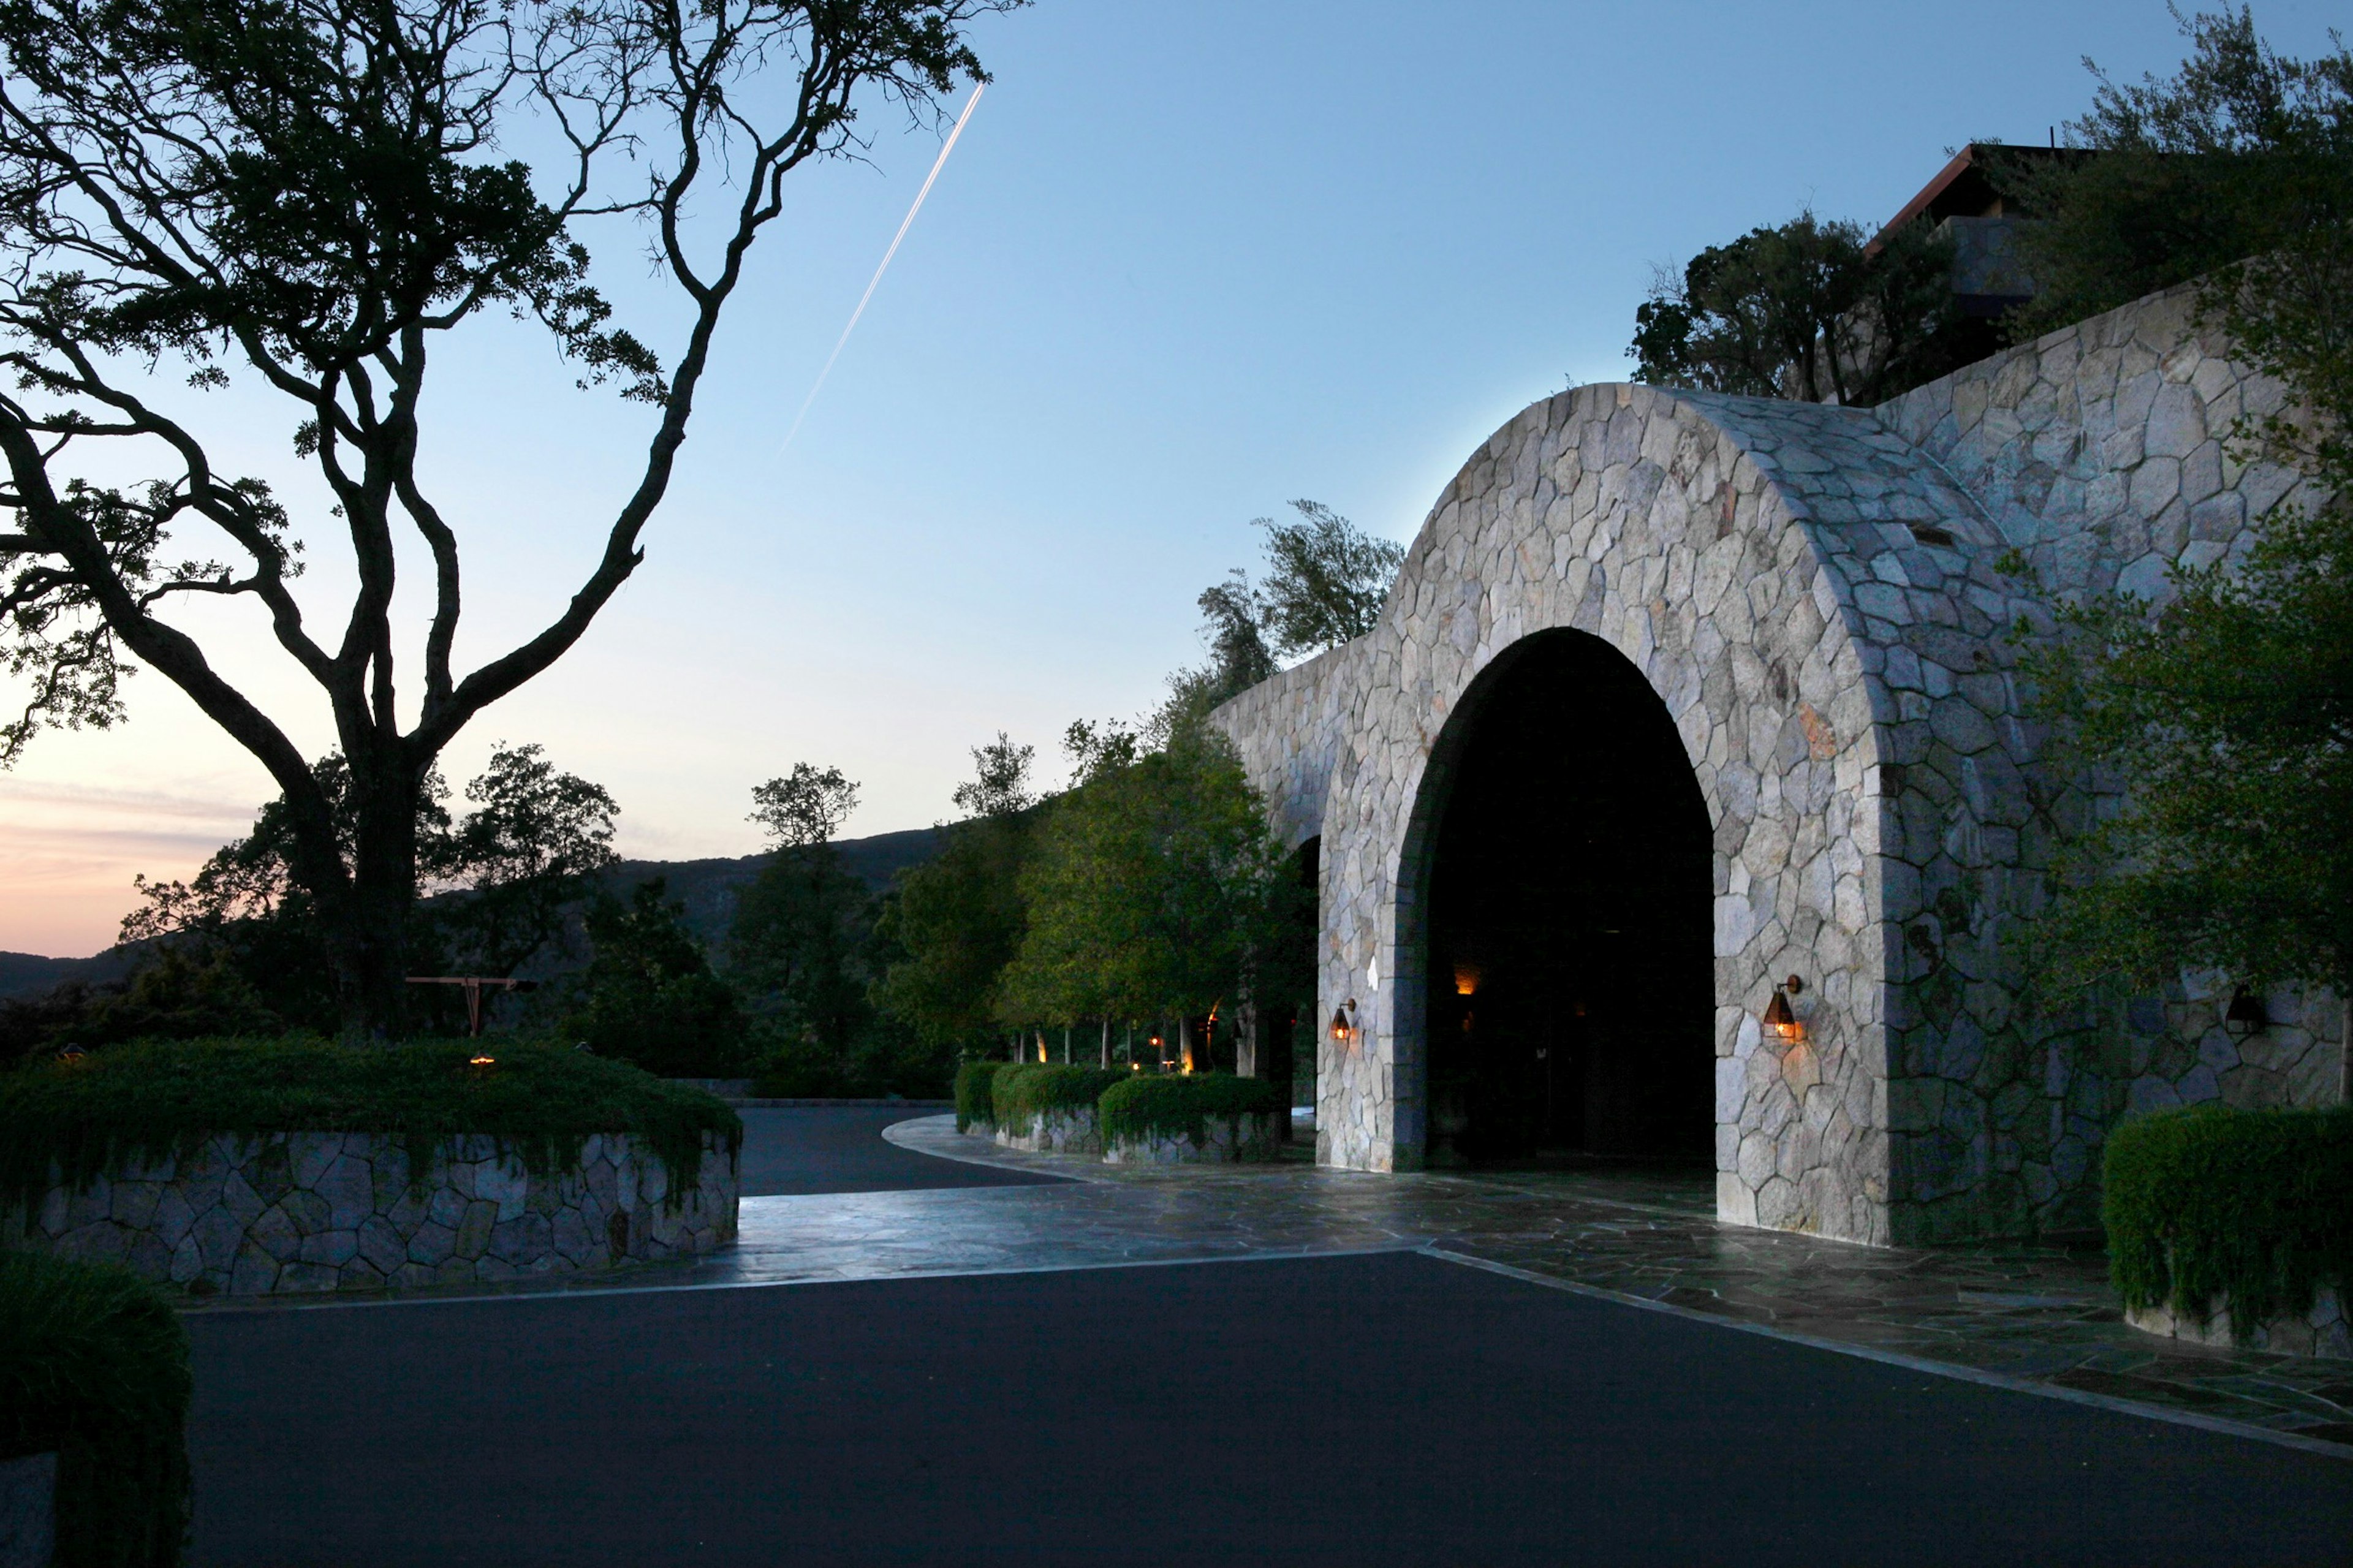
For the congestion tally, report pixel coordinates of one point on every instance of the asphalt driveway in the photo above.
(1392, 1408)
(798, 1148)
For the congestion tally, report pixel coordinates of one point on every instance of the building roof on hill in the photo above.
(1965, 188)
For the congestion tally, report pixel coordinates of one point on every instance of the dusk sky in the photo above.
(1189, 261)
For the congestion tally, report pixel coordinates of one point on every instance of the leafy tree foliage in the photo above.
(649, 994)
(1326, 580)
(2227, 712)
(806, 807)
(529, 850)
(238, 947)
(1153, 884)
(954, 924)
(797, 947)
(306, 198)
(2243, 153)
(999, 787)
(1810, 310)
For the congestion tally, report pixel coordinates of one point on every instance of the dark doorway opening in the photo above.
(1571, 987)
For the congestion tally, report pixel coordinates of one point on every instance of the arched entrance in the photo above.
(1570, 992)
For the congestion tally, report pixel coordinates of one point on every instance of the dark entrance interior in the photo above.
(1571, 991)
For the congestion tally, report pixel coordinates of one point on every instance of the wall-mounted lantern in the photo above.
(1777, 1016)
(2245, 1016)
(1466, 979)
(1343, 1023)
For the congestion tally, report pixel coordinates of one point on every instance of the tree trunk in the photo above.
(367, 922)
(1185, 1040)
(1106, 1043)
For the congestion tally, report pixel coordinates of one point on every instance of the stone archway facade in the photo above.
(1819, 599)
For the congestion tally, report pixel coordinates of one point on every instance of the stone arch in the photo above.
(1762, 565)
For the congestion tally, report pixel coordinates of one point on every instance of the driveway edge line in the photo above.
(2110, 1403)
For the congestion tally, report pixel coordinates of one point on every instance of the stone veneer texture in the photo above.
(2322, 1332)
(334, 1211)
(1251, 1135)
(1056, 1130)
(1822, 599)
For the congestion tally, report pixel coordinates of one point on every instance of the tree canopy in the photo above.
(799, 945)
(1326, 580)
(305, 199)
(2242, 152)
(1810, 310)
(1151, 886)
(954, 922)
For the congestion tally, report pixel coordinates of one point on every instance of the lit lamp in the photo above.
(1344, 1022)
(1777, 1016)
(2245, 1015)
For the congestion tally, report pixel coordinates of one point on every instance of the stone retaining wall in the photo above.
(2322, 1331)
(334, 1211)
(1226, 1140)
(1057, 1130)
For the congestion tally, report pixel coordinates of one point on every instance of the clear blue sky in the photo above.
(1189, 260)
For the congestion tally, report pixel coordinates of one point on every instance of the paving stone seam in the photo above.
(1911, 1362)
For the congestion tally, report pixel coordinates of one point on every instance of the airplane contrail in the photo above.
(908, 222)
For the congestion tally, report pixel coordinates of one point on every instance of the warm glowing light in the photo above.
(481, 1061)
(1777, 1016)
(1466, 979)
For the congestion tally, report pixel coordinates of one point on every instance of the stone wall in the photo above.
(1250, 1136)
(1056, 1130)
(1288, 730)
(334, 1211)
(1823, 600)
(2324, 1330)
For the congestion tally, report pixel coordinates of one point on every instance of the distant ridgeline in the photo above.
(707, 887)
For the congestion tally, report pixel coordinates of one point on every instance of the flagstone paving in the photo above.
(2038, 1315)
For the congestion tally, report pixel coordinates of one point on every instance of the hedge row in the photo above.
(1178, 1104)
(1130, 1105)
(975, 1102)
(94, 1368)
(2255, 1203)
(147, 1099)
(1022, 1090)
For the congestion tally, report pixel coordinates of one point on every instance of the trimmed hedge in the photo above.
(148, 1100)
(1142, 1104)
(1022, 1090)
(975, 1094)
(2258, 1204)
(94, 1366)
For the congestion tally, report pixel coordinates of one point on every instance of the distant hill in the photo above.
(29, 974)
(708, 888)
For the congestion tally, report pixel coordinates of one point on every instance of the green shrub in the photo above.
(975, 1094)
(94, 1367)
(1022, 1092)
(2258, 1204)
(148, 1100)
(1144, 1104)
